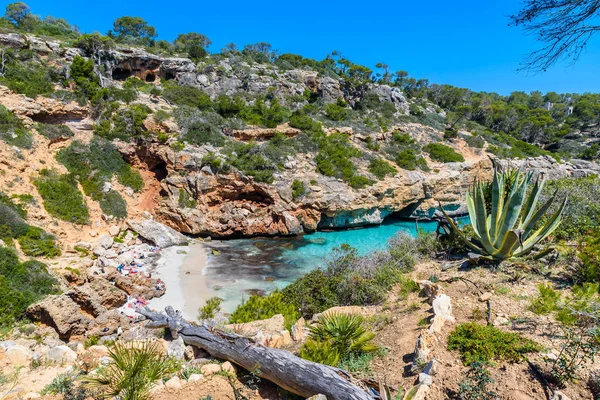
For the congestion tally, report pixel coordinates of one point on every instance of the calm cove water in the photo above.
(247, 266)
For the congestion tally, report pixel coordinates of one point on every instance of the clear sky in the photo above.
(465, 43)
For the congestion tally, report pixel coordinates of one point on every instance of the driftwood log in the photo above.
(299, 376)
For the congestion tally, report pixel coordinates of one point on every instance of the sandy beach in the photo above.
(181, 268)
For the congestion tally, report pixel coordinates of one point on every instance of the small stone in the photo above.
(437, 323)
(418, 392)
(298, 330)
(93, 233)
(318, 397)
(550, 356)
(177, 349)
(173, 383)
(425, 379)
(195, 377)
(228, 367)
(500, 321)
(210, 369)
(315, 188)
(32, 395)
(114, 230)
(189, 353)
(286, 338)
(105, 241)
(485, 297)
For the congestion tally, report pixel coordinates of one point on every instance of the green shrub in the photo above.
(112, 203)
(335, 112)
(263, 307)
(408, 159)
(82, 72)
(208, 310)
(249, 159)
(37, 243)
(229, 106)
(588, 269)
(96, 163)
(335, 159)
(201, 133)
(12, 130)
(547, 302)
(479, 343)
(336, 337)
(298, 189)
(21, 284)
(62, 198)
(53, 131)
(442, 153)
(213, 161)
(26, 76)
(161, 116)
(262, 115)
(123, 123)
(9, 202)
(300, 120)
(381, 168)
(185, 200)
(187, 95)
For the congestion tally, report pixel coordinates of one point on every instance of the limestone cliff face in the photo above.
(230, 205)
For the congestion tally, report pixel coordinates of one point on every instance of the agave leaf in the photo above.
(497, 204)
(544, 231)
(460, 233)
(472, 213)
(531, 223)
(484, 235)
(531, 202)
(513, 207)
(509, 242)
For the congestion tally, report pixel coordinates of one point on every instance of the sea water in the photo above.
(242, 267)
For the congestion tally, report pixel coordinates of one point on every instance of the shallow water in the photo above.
(247, 266)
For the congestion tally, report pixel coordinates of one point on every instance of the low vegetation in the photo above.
(21, 284)
(442, 153)
(263, 307)
(12, 130)
(209, 310)
(62, 198)
(481, 343)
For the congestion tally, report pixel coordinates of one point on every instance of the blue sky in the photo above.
(465, 43)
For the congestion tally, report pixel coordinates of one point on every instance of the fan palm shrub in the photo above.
(509, 224)
(335, 336)
(133, 371)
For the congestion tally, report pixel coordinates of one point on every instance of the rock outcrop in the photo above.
(159, 234)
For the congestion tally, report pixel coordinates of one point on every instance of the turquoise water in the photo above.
(260, 265)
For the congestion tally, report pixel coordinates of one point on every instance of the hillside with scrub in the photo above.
(116, 147)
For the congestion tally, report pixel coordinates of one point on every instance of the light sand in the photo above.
(180, 267)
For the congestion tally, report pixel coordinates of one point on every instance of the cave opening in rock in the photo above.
(150, 78)
(120, 74)
(160, 171)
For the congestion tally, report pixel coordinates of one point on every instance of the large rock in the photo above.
(159, 234)
(62, 313)
(177, 349)
(18, 356)
(442, 307)
(61, 355)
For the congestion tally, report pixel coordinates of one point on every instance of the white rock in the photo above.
(173, 383)
(114, 230)
(93, 233)
(195, 378)
(19, 356)
(106, 187)
(105, 241)
(442, 306)
(425, 379)
(61, 355)
(84, 245)
(500, 321)
(485, 297)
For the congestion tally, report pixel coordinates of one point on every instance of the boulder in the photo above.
(273, 325)
(173, 383)
(159, 234)
(298, 330)
(105, 241)
(114, 230)
(228, 367)
(61, 355)
(210, 369)
(18, 356)
(195, 377)
(62, 313)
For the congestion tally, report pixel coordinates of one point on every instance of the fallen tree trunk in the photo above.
(299, 376)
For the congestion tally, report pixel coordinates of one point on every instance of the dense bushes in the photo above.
(187, 96)
(381, 168)
(298, 189)
(259, 307)
(250, 159)
(12, 130)
(25, 75)
(479, 343)
(200, 133)
(582, 214)
(262, 114)
(96, 163)
(404, 150)
(335, 159)
(62, 198)
(38, 243)
(82, 72)
(442, 153)
(123, 123)
(21, 284)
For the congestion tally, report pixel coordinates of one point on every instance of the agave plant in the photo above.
(509, 224)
